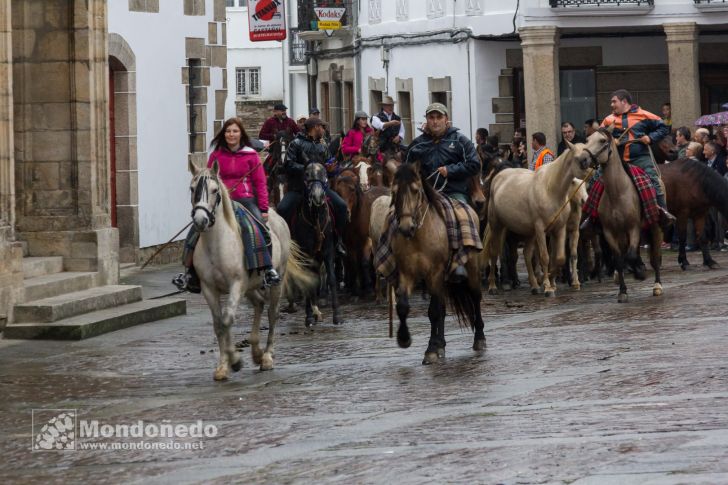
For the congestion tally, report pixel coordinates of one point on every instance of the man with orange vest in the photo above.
(541, 154)
(645, 128)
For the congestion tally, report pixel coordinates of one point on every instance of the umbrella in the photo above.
(715, 119)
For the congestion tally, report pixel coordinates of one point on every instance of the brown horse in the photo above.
(621, 216)
(692, 188)
(358, 262)
(422, 253)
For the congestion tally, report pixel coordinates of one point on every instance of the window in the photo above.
(578, 95)
(236, 3)
(247, 81)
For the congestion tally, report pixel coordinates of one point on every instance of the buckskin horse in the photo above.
(218, 259)
(622, 219)
(421, 250)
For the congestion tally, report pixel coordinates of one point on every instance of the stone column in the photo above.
(61, 134)
(11, 276)
(541, 81)
(682, 54)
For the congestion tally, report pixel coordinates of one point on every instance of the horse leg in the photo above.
(682, 235)
(266, 362)
(495, 240)
(528, 250)
(255, 351)
(331, 276)
(619, 266)
(213, 301)
(228, 319)
(310, 319)
(543, 254)
(632, 257)
(574, 260)
(404, 340)
(656, 258)
(512, 262)
(436, 346)
(708, 260)
(558, 258)
(477, 317)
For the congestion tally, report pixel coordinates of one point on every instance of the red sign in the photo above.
(267, 20)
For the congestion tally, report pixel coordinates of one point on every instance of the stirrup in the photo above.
(180, 282)
(271, 278)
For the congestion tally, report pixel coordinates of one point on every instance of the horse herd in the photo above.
(540, 210)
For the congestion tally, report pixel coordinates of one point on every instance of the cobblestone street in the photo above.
(576, 389)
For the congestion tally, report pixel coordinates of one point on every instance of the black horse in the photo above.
(274, 166)
(313, 230)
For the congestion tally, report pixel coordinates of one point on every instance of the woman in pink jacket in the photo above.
(242, 173)
(351, 145)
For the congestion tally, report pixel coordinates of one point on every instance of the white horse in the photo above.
(218, 259)
(528, 203)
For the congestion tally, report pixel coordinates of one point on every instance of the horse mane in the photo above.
(407, 174)
(714, 186)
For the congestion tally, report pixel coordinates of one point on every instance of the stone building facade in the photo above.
(72, 144)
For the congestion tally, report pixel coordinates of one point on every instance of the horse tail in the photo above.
(465, 301)
(713, 185)
(298, 279)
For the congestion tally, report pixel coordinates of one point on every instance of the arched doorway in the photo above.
(123, 144)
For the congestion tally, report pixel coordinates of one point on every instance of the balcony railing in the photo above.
(705, 2)
(599, 3)
(307, 15)
(297, 55)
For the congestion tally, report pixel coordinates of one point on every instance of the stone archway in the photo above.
(123, 142)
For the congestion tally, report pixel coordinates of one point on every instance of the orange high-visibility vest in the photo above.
(539, 160)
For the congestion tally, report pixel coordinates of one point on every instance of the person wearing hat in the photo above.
(304, 149)
(447, 160)
(277, 123)
(352, 142)
(315, 113)
(389, 124)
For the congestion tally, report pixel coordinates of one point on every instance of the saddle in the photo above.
(256, 238)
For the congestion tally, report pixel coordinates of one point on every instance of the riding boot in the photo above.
(340, 248)
(590, 225)
(666, 219)
(188, 281)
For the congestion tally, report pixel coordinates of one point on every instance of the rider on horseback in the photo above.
(645, 129)
(447, 160)
(304, 149)
(390, 125)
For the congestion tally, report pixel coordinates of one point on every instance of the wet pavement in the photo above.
(575, 389)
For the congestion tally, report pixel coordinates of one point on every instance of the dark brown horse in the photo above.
(358, 262)
(692, 188)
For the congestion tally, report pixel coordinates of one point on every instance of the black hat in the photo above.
(311, 122)
(280, 107)
(314, 111)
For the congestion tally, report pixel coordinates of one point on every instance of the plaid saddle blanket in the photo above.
(645, 190)
(255, 248)
(461, 223)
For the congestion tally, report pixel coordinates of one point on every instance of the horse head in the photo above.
(315, 178)
(595, 151)
(665, 150)
(347, 186)
(410, 199)
(206, 193)
(371, 144)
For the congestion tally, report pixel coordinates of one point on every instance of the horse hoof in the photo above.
(479, 345)
(310, 321)
(237, 365)
(492, 291)
(549, 293)
(534, 291)
(337, 321)
(267, 363)
(657, 292)
(622, 298)
(220, 375)
(257, 355)
(441, 352)
(640, 274)
(712, 264)
(430, 358)
(576, 287)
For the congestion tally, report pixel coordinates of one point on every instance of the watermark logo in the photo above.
(59, 429)
(54, 429)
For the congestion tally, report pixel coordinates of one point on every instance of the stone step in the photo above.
(77, 303)
(504, 118)
(99, 322)
(57, 284)
(41, 266)
(503, 130)
(505, 86)
(503, 104)
(506, 72)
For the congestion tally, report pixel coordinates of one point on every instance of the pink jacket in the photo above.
(352, 141)
(233, 166)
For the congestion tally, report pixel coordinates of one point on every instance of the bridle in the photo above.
(594, 163)
(416, 224)
(202, 195)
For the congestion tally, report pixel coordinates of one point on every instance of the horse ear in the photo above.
(215, 168)
(192, 168)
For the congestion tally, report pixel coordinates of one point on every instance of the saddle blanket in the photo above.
(645, 190)
(461, 223)
(255, 249)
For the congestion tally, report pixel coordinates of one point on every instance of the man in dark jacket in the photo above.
(443, 149)
(304, 149)
(447, 159)
(277, 123)
(390, 125)
(568, 133)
